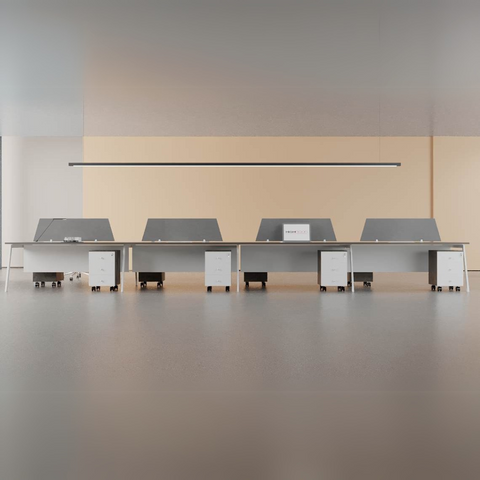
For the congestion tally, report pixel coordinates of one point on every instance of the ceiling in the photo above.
(185, 67)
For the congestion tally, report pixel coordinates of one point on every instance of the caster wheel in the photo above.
(323, 289)
(37, 285)
(341, 289)
(209, 289)
(79, 275)
(264, 285)
(54, 284)
(457, 289)
(59, 284)
(247, 284)
(71, 279)
(115, 288)
(94, 289)
(433, 288)
(159, 284)
(111, 289)
(450, 289)
(439, 289)
(227, 289)
(349, 284)
(143, 285)
(98, 289)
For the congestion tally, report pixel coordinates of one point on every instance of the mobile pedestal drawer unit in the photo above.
(445, 269)
(40, 278)
(145, 277)
(332, 269)
(218, 269)
(104, 269)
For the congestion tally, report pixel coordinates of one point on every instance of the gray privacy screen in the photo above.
(89, 229)
(400, 229)
(272, 228)
(182, 230)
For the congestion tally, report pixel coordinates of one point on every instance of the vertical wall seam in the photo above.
(1, 242)
(83, 176)
(432, 176)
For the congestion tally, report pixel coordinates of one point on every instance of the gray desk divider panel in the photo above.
(272, 229)
(400, 229)
(182, 230)
(90, 229)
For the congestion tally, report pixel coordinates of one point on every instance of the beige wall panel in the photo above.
(456, 176)
(240, 197)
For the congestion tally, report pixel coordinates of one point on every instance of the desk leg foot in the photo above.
(238, 268)
(467, 282)
(123, 268)
(351, 269)
(8, 268)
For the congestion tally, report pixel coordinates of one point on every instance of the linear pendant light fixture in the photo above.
(236, 165)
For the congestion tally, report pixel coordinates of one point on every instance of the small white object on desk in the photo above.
(72, 239)
(296, 232)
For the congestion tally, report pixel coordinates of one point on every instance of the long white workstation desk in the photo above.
(375, 257)
(247, 256)
(180, 256)
(62, 256)
(147, 256)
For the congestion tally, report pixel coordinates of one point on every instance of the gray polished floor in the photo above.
(279, 383)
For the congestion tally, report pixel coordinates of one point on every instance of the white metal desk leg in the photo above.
(238, 268)
(352, 279)
(123, 267)
(8, 268)
(465, 267)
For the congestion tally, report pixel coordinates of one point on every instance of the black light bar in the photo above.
(237, 165)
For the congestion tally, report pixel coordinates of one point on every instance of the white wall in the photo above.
(37, 183)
